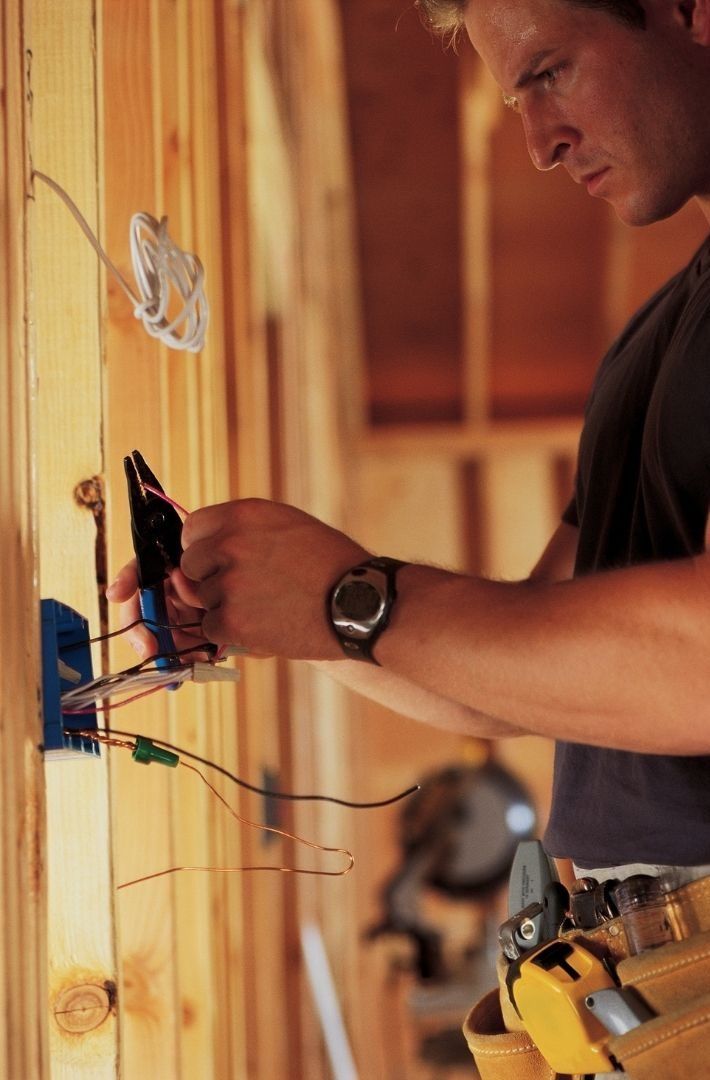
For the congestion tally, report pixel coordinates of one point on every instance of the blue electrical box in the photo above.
(66, 663)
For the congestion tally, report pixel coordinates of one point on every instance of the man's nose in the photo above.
(549, 141)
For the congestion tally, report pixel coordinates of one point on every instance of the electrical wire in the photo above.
(80, 700)
(136, 669)
(161, 269)
(160, 266)
(142, 621)
(290, 796)
(109, 740)
(90, 709)
(264, 828)
(187, 753)
(165, 498)
(130, 626)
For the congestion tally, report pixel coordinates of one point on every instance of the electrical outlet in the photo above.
(66, 662)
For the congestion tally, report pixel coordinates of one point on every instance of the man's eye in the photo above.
(548, 77)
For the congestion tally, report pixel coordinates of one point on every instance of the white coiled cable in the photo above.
(161, 269)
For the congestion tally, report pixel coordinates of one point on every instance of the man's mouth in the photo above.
(593, 180)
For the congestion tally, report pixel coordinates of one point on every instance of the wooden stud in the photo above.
(67, 348)
(23, 954)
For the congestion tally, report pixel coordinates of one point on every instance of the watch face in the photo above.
(358, 600)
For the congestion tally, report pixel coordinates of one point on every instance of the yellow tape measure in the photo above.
(548, 987)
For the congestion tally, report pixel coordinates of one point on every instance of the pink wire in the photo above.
(166, 498)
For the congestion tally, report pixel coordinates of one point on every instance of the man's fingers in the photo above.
(138, 637)
(213, 629)
(186, 592)
(203, 523)
(125, 585)
(212, 592)
(183, 606)
(199, 561)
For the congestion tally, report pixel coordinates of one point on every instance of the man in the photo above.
(605, 647)
(612, 659)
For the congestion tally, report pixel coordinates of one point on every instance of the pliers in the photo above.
(157, 531)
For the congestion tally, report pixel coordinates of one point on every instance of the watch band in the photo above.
(357, 643)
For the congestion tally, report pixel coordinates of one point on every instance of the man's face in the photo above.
(626, 111)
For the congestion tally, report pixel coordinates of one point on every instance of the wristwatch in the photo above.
(360, 603)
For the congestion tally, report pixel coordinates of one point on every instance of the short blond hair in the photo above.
(446, 17)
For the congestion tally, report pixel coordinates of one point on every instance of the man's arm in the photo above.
(240, 542)
(393, 691)
(618, 659)
(405, 696)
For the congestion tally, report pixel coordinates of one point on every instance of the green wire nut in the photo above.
(146, 751)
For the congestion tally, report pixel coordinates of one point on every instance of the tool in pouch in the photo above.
(157, 529)
(537, 901)
(550, 980)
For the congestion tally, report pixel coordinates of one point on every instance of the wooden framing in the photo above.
(23, 954)
(66, 318)
(146, 106)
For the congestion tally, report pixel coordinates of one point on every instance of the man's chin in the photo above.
(638, 212)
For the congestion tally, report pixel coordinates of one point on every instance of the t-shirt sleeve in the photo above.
(569, 514)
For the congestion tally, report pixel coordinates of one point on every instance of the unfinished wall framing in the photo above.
(156, 106)
(231, 118)
(23, 953)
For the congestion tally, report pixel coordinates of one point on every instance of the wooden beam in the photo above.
(467, 442)
(66, 347)
(23, 955)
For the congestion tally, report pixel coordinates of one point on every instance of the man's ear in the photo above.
(695, 16)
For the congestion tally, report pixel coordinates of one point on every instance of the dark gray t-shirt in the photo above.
(642, 494)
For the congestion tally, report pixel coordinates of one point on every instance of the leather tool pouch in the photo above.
(502, 1049)
(675, 982)
(672, 1045)
(501, 1054)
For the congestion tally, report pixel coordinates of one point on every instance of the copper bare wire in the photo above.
(166, 498)
(110, 740)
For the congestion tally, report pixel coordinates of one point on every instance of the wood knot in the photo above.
(90, 493)
(83, 1008)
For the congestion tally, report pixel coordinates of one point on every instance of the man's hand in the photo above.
(181, 611)
(262, 570)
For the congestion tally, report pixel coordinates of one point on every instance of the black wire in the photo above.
(263, 791)
(209, 647)
(115, 676)
(125, 629)
(203, 646)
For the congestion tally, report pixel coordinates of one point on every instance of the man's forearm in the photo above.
(620, 659)
(409, 699)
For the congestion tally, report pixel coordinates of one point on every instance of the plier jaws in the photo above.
(156, 529)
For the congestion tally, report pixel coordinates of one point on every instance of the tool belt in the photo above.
(673, 980)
